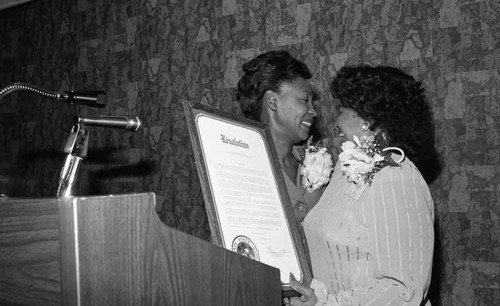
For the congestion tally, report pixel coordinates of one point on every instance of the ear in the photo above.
(271, 100)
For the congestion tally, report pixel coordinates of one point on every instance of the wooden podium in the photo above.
(113, 250)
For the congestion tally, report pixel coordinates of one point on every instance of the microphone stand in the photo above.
(76, 148)
(77, 144)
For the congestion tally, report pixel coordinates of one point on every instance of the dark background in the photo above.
(149, 56)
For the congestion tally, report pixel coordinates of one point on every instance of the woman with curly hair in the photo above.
(371, 235)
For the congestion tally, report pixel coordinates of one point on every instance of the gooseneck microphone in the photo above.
(121, 122)
(92, 98)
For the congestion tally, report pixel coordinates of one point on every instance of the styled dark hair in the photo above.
(395, 102)
(267, 71)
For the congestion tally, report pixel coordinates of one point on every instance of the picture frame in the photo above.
(246, 199)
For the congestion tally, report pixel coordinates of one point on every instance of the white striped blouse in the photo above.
(376, 250)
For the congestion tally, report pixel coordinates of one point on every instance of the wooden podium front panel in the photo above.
(29, 252)
(117, 252)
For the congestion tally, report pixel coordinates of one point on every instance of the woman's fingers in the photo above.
(299, 287)
(307, 298)
(295, 301)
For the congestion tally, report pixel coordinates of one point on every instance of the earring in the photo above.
(384, 135)
(365, 127)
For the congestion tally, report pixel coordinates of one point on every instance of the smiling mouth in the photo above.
(307, 123)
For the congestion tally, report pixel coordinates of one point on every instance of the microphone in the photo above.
(123, 122)
(93, 98)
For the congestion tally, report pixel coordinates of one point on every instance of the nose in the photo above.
(312, 111)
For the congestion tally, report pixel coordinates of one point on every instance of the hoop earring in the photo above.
(365, 127)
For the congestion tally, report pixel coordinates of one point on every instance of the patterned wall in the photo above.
(149, 56)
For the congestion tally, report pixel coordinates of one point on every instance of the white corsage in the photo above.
(317, 167)
(360, 160)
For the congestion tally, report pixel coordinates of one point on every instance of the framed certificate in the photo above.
(247, 203)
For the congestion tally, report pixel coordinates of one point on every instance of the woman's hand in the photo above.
(307, 298)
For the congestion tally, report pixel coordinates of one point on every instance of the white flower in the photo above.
(317, 167)
(361, 159)
(355, 163)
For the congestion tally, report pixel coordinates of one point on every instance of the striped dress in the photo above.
(376, 250)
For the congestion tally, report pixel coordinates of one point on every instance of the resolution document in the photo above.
(246, 198)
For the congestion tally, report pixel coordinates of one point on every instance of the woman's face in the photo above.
(294, 111)
(349, 123)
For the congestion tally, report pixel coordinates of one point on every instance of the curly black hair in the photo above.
(394, 102)
(267, 71)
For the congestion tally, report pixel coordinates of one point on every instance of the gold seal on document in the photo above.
(244, 246)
